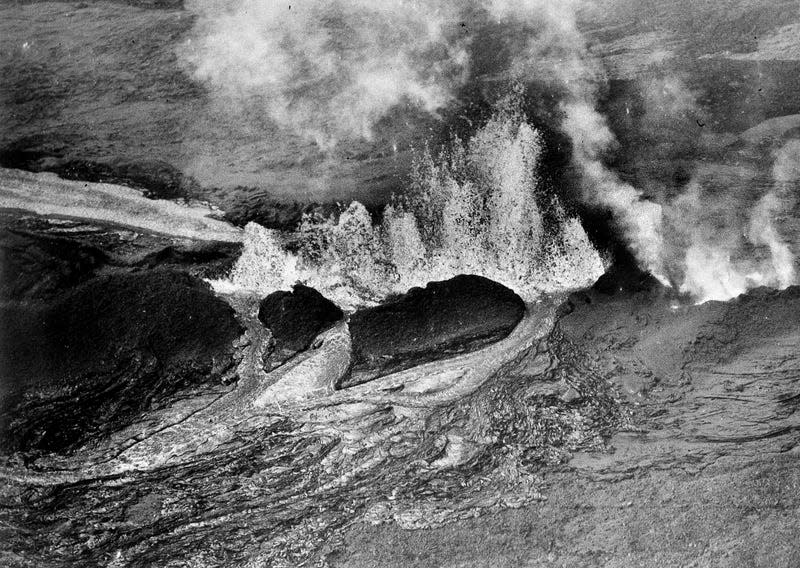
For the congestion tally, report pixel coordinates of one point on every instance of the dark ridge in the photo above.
(41, 260)
(203, 259)
(91, 361)
(158, 180)
(624, 279)
(18, 156)
(431, 323)
(39, 266)
(273, 214)
(295, 318)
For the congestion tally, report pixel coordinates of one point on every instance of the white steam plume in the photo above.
(327, 69)
(330, 70)
(718, 263)
(640, 219)
(559, 55)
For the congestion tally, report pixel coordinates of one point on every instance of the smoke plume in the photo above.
(329, 71)
(723, 244)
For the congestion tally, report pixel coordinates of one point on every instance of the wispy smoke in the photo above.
(721, 246)
(331, 70)
(640, 219)
(328, 69)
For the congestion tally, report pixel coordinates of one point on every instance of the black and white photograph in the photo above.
(399, 283)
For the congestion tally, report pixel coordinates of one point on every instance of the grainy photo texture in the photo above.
(399, 283)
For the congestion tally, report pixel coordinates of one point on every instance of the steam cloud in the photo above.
(330, 70)
(729, 246)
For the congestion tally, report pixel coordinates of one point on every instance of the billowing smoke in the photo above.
(329, 71)
(723, 246)
(639, 219)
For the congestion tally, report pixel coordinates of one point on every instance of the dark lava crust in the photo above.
(89, 340)
(295, 319)
(426, 324)
(657, 431)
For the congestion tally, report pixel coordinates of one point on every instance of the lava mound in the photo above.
(425, 324)
(37, 266)
(295, 318)
(212, 259)
(89, 361)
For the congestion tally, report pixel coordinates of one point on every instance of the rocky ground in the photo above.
(705, 473)
(101, 331)
(620, 426)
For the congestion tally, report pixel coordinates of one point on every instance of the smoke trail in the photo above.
(640, 219)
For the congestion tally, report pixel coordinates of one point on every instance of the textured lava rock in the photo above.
(430, 323)
(41, 259)
(295, 318)
(39, 266)
(625, 277)
(210, 259)
(91, 360)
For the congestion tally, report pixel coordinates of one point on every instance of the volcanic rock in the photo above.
(42, 258)
(431, 323)
(207, 259)
(39, 266)
(91, 360)
(295, 318)
(625, 277)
